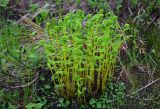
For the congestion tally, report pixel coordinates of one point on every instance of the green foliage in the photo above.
(98, 4)
(18, 60)
(33, 7)
(34, 105)
(82, 50)
(134, 3)
(118, 6)
(113, 97)
(4, 3)
(154, 39)
(16, 48)
(43, 15)
(63, 103)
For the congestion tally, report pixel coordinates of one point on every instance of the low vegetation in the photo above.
(83, 54)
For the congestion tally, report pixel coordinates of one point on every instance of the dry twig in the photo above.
(145, 86)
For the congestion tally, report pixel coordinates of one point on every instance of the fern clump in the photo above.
(81, 52)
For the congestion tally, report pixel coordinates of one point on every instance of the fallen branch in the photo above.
(151, 22)
(28, 84)
(145, 86)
